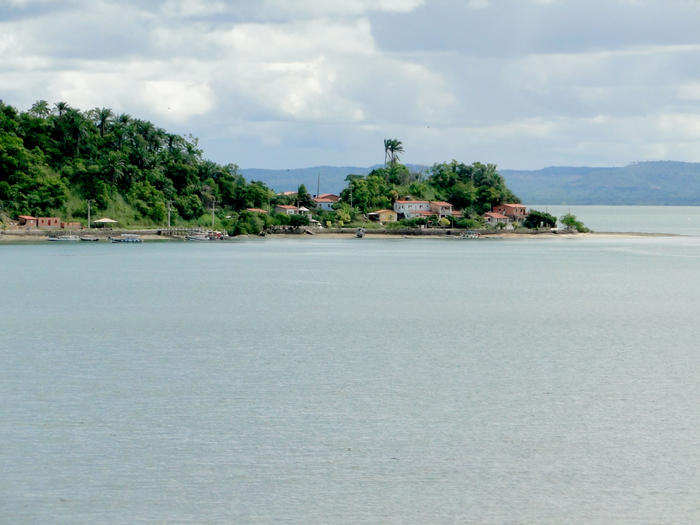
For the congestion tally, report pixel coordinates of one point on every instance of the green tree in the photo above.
(392, 148)
(572, 223)
(536, 218)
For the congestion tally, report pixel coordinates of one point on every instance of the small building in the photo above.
(383, 216)
(407, 208)
(441, 208)
(324, 203)
(28, 221)
(49, 222)
(514, 212)
(493, 218)
(256, 210)
(73, 225)
(286, 209)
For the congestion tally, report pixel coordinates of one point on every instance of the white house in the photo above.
(324, 203)
(408, 209)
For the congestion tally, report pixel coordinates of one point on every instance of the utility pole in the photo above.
(88, 201)
(318, 186)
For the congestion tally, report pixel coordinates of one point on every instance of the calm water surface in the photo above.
(351, 381)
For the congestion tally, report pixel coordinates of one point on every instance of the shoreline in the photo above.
(17, 236)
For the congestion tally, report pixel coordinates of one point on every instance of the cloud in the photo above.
(324, 82)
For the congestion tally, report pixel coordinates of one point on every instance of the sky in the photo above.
(523, 84)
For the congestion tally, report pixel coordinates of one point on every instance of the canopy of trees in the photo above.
(54, 158)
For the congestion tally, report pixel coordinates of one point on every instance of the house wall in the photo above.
(517, 213)
(49, 222)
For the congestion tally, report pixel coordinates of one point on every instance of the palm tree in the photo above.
(102, 116)
(61, 107)
(40, 109)
(392, 148)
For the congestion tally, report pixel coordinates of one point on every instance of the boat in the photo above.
(127, 237)
(65, 238)
(89, 238)
(205, 236)
(360, 233)
(469, 234)
(197, 237)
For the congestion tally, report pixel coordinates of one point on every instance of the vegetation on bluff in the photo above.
(54, 159)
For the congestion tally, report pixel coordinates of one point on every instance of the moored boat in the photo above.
(127, 237)
(65, 238)
(89, 238)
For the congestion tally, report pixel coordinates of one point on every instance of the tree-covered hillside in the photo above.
(54, 158)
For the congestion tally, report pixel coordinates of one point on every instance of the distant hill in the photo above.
(662, 183)
(332, 177)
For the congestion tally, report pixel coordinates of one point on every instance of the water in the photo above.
(351, 381)
(683, 220)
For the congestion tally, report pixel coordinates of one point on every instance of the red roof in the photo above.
(331, 196)
(441, 203)
(494, 215)
(256, 210)
(413, 202)
(27, 217)
(287, 207)
(514, 205)
(324, 200)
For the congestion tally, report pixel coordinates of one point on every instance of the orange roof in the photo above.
(319, 199)
(27, 217)
(331, 196)
(256, 210)
(287, 207)
(383, 211)
(514, 205)
(413, 202)
(441, 203)
(494, 215)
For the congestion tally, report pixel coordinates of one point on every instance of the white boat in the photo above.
(65, 238)
(205, 236)
(127, 237)
(89, 238)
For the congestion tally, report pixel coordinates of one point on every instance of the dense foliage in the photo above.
(474, 188)
(56, 159)
(537, 219)
(53, 159)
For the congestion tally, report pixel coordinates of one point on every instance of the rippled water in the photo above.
(351, 381)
